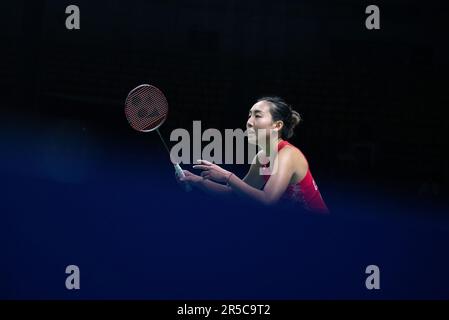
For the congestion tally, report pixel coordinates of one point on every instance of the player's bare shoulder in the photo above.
(295, 157)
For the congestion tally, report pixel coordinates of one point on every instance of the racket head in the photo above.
(146, 108)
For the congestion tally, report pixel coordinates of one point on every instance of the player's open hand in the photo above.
(212, 171)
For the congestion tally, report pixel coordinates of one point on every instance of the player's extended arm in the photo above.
(253, 178)
(276, 185)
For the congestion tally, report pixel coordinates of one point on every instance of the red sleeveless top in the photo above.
(304, 192)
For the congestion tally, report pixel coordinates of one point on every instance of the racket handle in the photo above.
(180, 173)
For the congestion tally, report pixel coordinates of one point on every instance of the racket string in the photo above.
(146, 108)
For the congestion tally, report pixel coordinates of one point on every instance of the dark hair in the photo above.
(280, 110)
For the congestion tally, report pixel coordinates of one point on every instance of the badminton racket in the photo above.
(146, 109)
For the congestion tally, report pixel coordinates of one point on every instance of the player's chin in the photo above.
(252, 139)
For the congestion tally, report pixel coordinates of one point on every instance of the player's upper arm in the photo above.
(284, 169)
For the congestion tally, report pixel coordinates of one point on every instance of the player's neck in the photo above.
(273, 145)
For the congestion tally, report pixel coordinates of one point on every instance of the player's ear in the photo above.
(277, 125)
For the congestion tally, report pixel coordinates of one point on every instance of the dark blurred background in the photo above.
(373, 104)
(372, 101)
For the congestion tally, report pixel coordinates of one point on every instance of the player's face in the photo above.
(259, 117)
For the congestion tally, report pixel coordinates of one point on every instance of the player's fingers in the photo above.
(190, 178)
(204, 162)
(201, 167)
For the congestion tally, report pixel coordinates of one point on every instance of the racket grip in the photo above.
(180, 173)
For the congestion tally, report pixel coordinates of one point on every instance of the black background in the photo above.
(373, 101)
(80, 186)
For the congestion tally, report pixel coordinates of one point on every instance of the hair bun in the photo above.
(296, 118)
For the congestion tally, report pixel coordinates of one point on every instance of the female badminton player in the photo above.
(291, 181)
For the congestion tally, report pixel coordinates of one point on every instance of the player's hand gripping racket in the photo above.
(146, 109)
